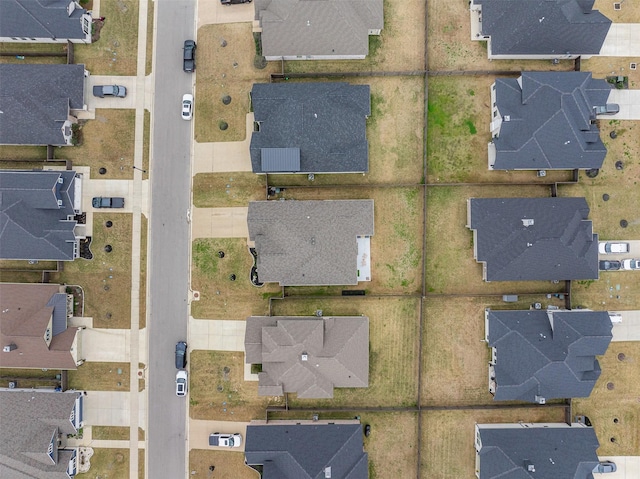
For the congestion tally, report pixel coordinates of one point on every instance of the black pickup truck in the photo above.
(107, 202)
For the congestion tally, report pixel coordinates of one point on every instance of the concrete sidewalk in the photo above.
(228, 222)
(222, 157)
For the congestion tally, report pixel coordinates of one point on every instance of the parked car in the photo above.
(187, 106)
(225, 440)
(608, 109)
(233, 2)
(613, 248)
(631, 264)
(610, 265)
(109, 90)
(107, 202)
(181, 383)
(189, 56)
(605, 466)
(181, 355)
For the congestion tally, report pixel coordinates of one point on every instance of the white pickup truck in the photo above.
(613, 248)
(225, 440)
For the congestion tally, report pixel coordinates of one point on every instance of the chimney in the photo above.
(528, 465)
(9, 347)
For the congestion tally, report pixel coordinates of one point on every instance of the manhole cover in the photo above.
(223, 125)
(619, 165)
(621, 357)
(108, 248)
(624, 223)
(613, 134)
(605, 197)
(593, 172)
(226, 99)
(610, 386)
(109, 224)
(102, 171)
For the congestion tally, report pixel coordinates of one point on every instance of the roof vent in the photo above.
(540, 400)
(9, 347)
(527, 221)
(60, 180)
(304, 357)
(59, 202)
(528, 465)
(506, 118)
(327, 472)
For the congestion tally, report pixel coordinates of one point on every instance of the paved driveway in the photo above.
(211, 11)
(199, 431)
(629, 101)
(628, 467)
(628, 329)
(623, 40)
(109, 345)
(217, 334)
(127, 102)
(110, 408)
(634, 249)
(219, 222)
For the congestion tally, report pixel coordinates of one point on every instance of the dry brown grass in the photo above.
(30, 378)
(149, 51)
(17, 152)
(106, 279)
(602, 67)
(392, 446)
(227, 189)
(621, 402)
(93, 376)
(219, 395)
(628, 13)
(108, 463)
(27, 48)
(108, 141)
(114, 433)
(227, 464)
(448, 437)
(393, 348)
(143, 272)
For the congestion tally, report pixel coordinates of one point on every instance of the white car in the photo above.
(181, 383)
(225, 440)
(613, 248)
(187, 106)
(631, 264)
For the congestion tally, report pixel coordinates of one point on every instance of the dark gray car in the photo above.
(610, 265)
(181, 355)
(189, 56)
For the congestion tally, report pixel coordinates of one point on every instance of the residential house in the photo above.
(318, 29)
(40, 103)
(40, 215)
(308, 356)
(44, 21)
(34, 329)
(310, 128)
(307, 450)
(519, 239)
(535, 451)
(33, 436)
(540, 355)
(538, 29)
(312, 243)
(546, 120)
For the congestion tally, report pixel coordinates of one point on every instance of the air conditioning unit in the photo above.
(540, 400)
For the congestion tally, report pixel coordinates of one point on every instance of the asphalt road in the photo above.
(169, 241)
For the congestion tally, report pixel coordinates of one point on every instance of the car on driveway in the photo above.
(109, 90)
(631, 264)
(225, 440)
(187, 106)
(181, 355)
(608, 109)
(613, 248)
(233, 2)
(606, 265)
(189, 56)
(604, 467)
(107, 202)
(181, 383)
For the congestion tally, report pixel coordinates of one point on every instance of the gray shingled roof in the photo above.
(550, 354)
(33, 225)
(30, 421)
(304, 451)
(326, 121)
(41, 19)
(543, 27)
(309, 242)
(554, 452)
(317, 27)
(35, 101)
(308, 355)
(558, 244)
(547, 122)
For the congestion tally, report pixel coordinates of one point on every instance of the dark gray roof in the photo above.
(543, 27)
(567, 452)
(35, 101)
(557, 244)
(304, 451)
(42, 19)
(30, 421)
(326, 121)
(309, 242)
(550, 354)
(35, 207)
(318, 27)
(308, 356)
(547, 121)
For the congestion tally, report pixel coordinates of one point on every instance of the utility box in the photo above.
(510, 298)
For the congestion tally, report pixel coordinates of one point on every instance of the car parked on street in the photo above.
(181, 383)
(606, 265)
(233, 2)
(187, 106)
(181, 355)
(189, 56)
(631, 264)
(605, 466)
(101, 91)
(613, 248)
(225, 440)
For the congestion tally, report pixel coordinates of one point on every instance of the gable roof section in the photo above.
(554, 451)
(325, 121)
(308, 242)
(26, 312)
(558, 244)
(36, 100)
(336, 353)
(550, 121)
(317, 27)
(42, 19)
(304, 451)
(33, 224)
(550, 354)
(31, 420)
(543, 27)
